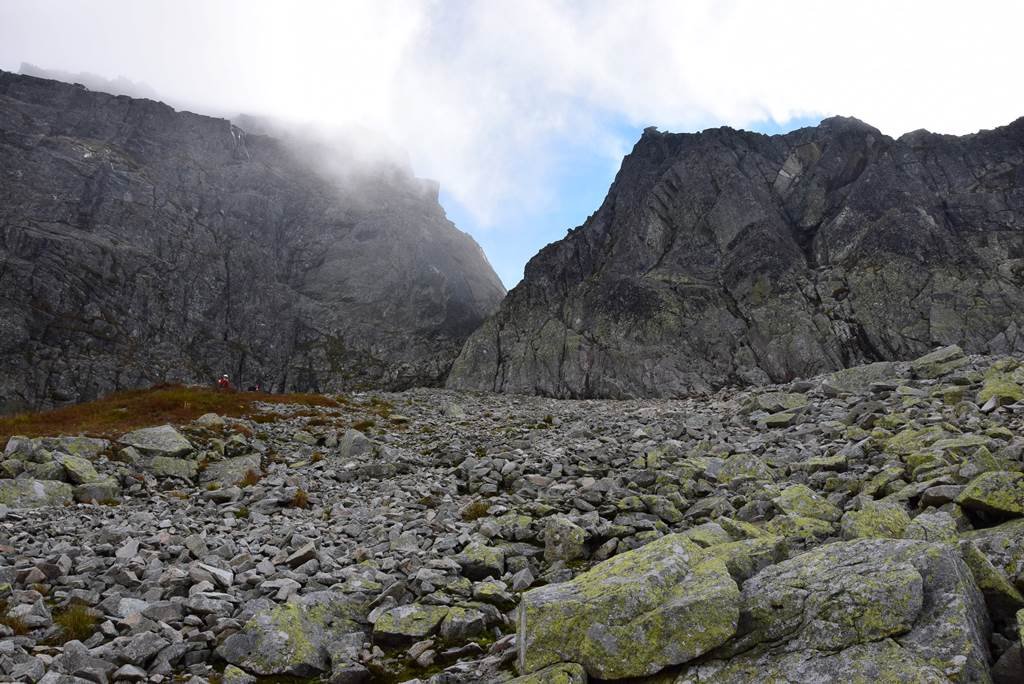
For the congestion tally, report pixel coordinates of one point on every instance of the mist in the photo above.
(492, 99)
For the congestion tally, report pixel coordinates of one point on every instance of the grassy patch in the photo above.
(121, 412)
(475, 510)
(250, 478)
(300, 500)
(76, 622)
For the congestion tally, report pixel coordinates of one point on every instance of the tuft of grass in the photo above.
(250, 478)
(300, 499)
(242, 512)
(124, 411)
(475, 510)
(77, 622)
(316, 457)
(213, 486)
(364, 425)
(381, 407)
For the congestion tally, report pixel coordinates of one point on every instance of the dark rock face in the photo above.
(140, 245)
(728, 257)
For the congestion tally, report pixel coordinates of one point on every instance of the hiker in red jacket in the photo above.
(224, 383)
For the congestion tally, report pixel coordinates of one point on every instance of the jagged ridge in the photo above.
(728, 257)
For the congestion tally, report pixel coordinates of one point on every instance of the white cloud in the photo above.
(484, 95)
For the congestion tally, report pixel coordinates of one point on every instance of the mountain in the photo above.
(727, 257)
(141, 245)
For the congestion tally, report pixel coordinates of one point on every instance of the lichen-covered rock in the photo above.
(294, 638)
(886, 522)
(939, 362)
(1003, 546)
(1004, 387)
(775, 402)
(163, 440)
(563, 539)
(103, 490)
(462, 623)
(880, 661)
(232, 471)
(859, 378)
(479, 561)
(803, 501)
(411, 622)
(166, 466)
(999, 492)
(78, 470)
(632, 615)
(34, 493)
(938, 526)
(882, 607)
(1002, 598)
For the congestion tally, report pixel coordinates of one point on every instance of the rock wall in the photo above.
(727, 257)
(140, 245)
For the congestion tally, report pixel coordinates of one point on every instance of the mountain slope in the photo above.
(139, 244)
(728, 257)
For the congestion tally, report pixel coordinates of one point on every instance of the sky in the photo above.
(523, 109)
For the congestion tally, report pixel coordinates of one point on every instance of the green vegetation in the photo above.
(77, 622)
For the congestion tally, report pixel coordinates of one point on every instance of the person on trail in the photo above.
(224, 383)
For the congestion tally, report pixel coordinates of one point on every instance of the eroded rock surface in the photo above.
(141, 245)
(727, 257)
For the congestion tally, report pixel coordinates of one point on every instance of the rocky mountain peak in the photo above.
(139, 245)
(727, 257)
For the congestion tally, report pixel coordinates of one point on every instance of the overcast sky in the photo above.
(523, 109)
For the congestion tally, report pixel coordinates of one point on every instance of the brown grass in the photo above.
(122, 412)
(475, 510)
(300, 500)
(250, 478)
(77, 623)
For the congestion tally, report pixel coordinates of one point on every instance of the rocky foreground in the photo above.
(865, 525)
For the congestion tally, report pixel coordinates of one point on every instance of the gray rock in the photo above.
(563, 539)
(663, 604)
(728, 257)
(164, 441)
(34, 493)
(310, 271)
(892, 607)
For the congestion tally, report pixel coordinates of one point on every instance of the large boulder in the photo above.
(163, 440)
(885, 610)
(995, 492)
(295, 638)
(232, 471)
(77, 469)
(34, 493)
(632, 615)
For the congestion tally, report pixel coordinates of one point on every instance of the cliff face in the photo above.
(728, 257)
(141, 245)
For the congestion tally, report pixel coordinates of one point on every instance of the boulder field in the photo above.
(863, 525)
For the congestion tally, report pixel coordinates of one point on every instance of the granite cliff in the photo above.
(140, 245)
(727, 258)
